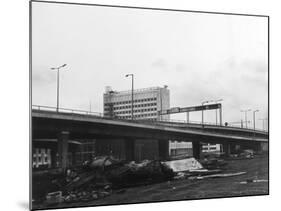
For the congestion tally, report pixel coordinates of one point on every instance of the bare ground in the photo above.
(186, 189)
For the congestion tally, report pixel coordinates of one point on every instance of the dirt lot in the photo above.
(256, 168)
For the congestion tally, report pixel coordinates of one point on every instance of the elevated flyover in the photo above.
(67, 125)
(46, 124)
(228, 130)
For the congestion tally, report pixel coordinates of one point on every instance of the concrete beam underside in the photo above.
(134, 149)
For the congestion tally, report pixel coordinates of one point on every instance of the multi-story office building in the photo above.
(147, 102)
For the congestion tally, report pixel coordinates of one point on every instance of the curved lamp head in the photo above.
(57, 68)
(129, 75)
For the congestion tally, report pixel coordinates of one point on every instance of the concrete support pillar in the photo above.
(73, 160)
(257, 147)
(63, 149)
(245, 146)
(226, 149)
(74, 157)
(163, 147)
(53, 157)
(230, 148)
(98, 146)
(196, 149)
(264, 147)
(129, 149)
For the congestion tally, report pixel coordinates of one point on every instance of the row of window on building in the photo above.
(41, 157)
(129, 101)
(136, 111)
(211, 148)
(129, 106)
(138, 116)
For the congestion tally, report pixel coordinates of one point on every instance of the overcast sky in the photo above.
(199, 56)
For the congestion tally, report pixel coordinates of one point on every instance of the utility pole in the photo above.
(132, 98)
(221, 115)
(245, 111)
(90, 106)
(58, 82)
(254, 118)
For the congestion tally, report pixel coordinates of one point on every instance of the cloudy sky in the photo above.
(199, 56)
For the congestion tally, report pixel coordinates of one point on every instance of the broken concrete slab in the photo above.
(184, 164)
(218, 175)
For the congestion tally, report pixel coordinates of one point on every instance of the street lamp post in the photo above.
(246, 122)
(254, 118)
(187, 117)
(132, 99)
(58, 82)
(204, 102)
(90, 106)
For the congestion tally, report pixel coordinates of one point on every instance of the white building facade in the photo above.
(180, 148)
(146, 104)
(211, 147)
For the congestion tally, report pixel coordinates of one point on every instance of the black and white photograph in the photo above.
(139, 105)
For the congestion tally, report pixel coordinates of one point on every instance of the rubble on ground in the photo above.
(54, 197)
(253, 181)
(184, 164)
(98, 178)
(248, 153)
(104, 175)
(244, 154)
(218, 175)
(190, 168)
(213, 163)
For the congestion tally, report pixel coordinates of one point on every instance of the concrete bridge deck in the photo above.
(134, 136)
(60, 121)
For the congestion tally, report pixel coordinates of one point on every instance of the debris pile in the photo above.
(248, 153)
(184, 164)
(54, 197)
(190, 168)
(213, 163)
(253, 181)
(105, 174)
(98, 178)
(218, 175)
(244, 154)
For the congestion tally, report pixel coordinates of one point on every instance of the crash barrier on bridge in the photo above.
(66, 110)
(105, 116)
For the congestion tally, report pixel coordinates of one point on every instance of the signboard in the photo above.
(190, 109)
(174, 110)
